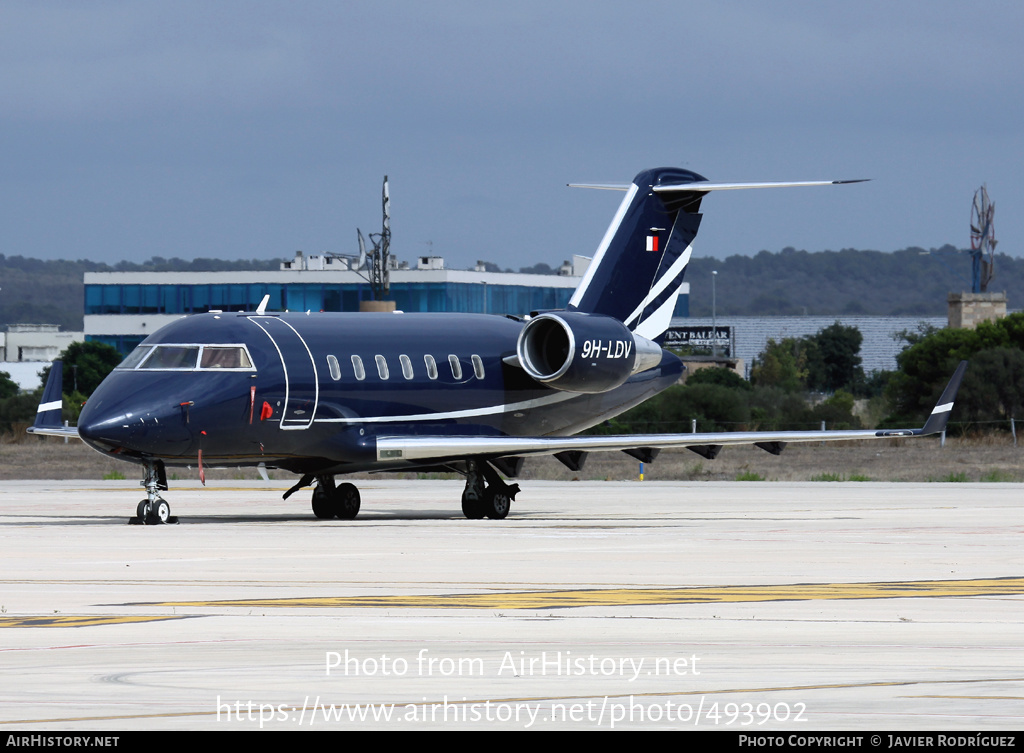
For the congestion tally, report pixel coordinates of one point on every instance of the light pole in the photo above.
(714, 314)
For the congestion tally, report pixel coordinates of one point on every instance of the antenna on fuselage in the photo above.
(262, 308)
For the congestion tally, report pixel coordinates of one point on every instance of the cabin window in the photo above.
(335, 367)
(456, 366)
(431, 366)
(135, 357)
(478, 367)
(357, 367)
(406, 366)
(382, 366)
(224, 357)
(172, 357)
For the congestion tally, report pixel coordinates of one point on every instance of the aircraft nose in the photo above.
(112, 423)
(124, 431)
(106, 432)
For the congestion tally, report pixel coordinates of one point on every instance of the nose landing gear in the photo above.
(154, 509)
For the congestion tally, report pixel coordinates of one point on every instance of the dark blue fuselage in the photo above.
(314, 391)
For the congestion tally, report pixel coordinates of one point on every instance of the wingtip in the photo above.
(939, 416)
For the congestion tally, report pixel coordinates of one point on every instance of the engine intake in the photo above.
(579, 352)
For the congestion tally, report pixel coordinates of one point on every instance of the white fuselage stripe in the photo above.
(487, 410)
(605, 242)
(302, 424)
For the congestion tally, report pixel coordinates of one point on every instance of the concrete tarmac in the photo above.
(751, 607)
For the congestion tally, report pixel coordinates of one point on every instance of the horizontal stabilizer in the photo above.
(708, 186)
(602, 186)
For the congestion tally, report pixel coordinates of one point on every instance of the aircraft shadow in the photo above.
(14, 521)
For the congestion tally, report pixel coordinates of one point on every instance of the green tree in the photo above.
(774, 409)
(716, 408)
(992, 389)
(836, 412)
(826, 361)
(782, 364)
(995, 391)
(20, 408)
(833, 358)
(924, 367)
(93, 361)
(8, 387)
(721, 377)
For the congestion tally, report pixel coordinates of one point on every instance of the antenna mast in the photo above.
(379, 259)
(983, 240)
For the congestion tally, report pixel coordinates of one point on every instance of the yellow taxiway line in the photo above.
(1012, 586)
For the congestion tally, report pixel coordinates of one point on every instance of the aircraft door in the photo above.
(302, 387)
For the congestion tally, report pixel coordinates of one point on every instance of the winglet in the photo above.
(940, 413)
(48, 412)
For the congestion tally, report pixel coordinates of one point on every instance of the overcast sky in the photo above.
(252, 129)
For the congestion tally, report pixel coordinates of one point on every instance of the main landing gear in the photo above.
(330, 501)
(486, 495)
(153, 510)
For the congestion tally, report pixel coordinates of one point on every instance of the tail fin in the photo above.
(638, 268)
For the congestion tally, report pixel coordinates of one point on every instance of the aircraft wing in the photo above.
(445, 448)
(69, 432)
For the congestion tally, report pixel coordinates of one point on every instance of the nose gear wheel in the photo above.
(154, 509)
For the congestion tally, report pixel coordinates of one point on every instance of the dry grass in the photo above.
(991, 458)
(51, 458)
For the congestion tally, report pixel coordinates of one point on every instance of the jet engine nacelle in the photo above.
(578, 352)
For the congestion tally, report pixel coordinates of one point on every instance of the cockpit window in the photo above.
(135, 357)
(218, 357)
(208, 357)
(172, 357)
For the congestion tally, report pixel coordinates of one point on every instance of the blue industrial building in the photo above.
(123, 308)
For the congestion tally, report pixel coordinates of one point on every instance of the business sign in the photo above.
(704, 338)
